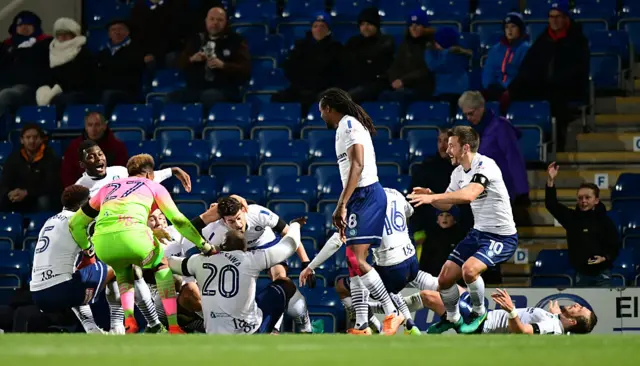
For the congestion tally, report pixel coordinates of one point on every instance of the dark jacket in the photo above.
(499, 141)
(121, 70)
(589, 233)
(161, 30)
(437, 247)
(410, 66)
(557, 64)
(314, 65)
(20, 64)
(231, 48)
(114, 150)
(367, 60)
(77, 75)
(39, 177)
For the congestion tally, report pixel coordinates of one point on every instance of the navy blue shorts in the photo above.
(366, 211)
(396, 277)
(82, 289)
(490, 249)
(272, 300)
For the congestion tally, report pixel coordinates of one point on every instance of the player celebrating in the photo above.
(96, 175)
(259, 226)
(55, 284)
(227, 282)
(493, 239)
(395, 260)
(360, 212)
(122, 238)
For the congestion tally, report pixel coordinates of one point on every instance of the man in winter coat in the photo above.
(592, 237)
(31, 175)
(367, 58)
(96, 129)
(313, 65)
(22, 61)
(504, 59)
(216, 63)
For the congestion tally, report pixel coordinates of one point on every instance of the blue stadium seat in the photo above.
(6, 147)
(552, 268)
(428, 113)
(279, 112)
(531, 143)
(313, 118)
(272, 171)
(301, 11)
(535, 29)
(215, 135)
(315, 134)
(632, 27)
(348, 11)
(44, 116)
(326, 208)
(287, 207)
(610, 42)
(594, 16)
(181, 116)
(203, 187)
(273, 80)
(625, 265)
(538, 10)
(530, 113)
(244, 152)
(331, 188)
(252, 33)
(384, 114)
(97, 39)
(252, 188)
(132, 116)
(11, 226)
(230, 114)
(6, 244)
(265, 135)
(191, 208)
(423, 142)
(128, 134)
(150, 147)
(324, 172)
(166, 81)
(184, 153)
(342, 32)
(314, 228)
(16, 262)
(392, 151)
(632, 243)
(292, 187)
(627, 186)
(98, 14)
(309, 243)
(164, 134)
(471, 41)
(606, 71)
(270, 46)
(322, 150)
(396, 11)
(35, 222)
(452, 12)
(284, 151)
(55, 145)
(495, 10)
(229, 170)
(324, 305)
(73, 116)
(255, 13)
(400, 183)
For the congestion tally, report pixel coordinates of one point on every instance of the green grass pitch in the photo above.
(326, 350)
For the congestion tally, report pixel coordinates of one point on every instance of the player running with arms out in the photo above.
(360, 212)
(493, 239)
(96, 175)
(56, 284)
(227, 281)
(122, 237)
(262, 229)
(395, 259)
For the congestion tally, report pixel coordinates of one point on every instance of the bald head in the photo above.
(216, 21)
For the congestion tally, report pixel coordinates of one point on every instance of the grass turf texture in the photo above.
(326, 350)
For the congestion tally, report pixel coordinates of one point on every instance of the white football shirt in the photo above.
(351, 132)
(546, 323)
(259, 231)
(55, 254)
(396, 244)
(492, 208)
(113, 173)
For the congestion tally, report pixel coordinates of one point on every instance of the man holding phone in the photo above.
(592, 237)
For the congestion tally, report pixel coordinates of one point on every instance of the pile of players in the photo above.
(203, 271)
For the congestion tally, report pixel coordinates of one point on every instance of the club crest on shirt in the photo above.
(353, 232)
(258, 228)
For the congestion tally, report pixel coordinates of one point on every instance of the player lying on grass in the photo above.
(262, 229)
(395, 260)
(122, 237)
(227, 282)
(96, 175)
(558, 320)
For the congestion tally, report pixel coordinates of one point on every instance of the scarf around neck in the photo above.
(61, 53)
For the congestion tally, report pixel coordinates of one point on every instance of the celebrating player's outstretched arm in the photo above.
(502, 298)
(444, 201)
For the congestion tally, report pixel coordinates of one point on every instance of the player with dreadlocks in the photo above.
(361, 210)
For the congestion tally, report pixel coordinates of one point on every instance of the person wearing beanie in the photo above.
(556, 68)
(22, 57)
(504, 58)
(409, 77)
(449, 63)
(71, 72)
(314, 64)
(367, 58)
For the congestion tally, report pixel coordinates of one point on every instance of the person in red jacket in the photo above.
(96, 129)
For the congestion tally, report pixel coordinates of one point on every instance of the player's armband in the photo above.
(185, 267)
(480, 179)
(536, 328)
(90, 211)
(280, 226)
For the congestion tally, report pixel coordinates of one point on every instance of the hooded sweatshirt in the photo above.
(503, 62)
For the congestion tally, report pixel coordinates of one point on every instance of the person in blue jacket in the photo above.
(505, 57)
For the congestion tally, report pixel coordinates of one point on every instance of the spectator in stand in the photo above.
(71, 75)
(556, 68)
(159, 29)
(499, 141)
(449, 63)
(367, 58)
(592, 237)
(96, 129)
(216, 63)
(410, 78)
(313, 65)
(441, 240)
(120, 67)
(504, 58)
(22, 59)
(31, 175)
